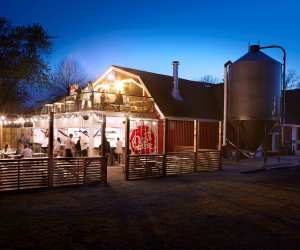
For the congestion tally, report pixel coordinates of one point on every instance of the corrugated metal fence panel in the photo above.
(180, 163)
(33, 173)
(93, 172)
(68, 171)
(145, 166)
(77, 171)
(175, 163)
(23, 174)
(208, 160)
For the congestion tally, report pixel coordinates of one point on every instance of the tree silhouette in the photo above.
(67, 72)
(23, 50)
(292, 80)
(210, 79)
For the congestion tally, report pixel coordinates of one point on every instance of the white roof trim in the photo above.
(142, 84)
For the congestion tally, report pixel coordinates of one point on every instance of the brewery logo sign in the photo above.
(142, 140)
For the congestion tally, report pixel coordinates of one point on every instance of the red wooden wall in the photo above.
(208, 135)
(160, 145)
(180, 133)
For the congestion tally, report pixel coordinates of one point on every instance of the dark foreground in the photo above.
(224, 210)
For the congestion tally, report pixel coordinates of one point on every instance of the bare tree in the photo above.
(210, 79)
(292, 80)
(68, 72)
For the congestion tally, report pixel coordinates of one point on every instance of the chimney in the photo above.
(175, 93)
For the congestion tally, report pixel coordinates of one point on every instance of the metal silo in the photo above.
(254, 87)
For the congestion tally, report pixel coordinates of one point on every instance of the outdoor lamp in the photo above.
(105, 87)
(119, 86)
(111, 76)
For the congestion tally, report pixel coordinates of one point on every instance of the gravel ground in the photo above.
(221, 210)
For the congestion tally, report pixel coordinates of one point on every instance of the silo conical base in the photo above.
(249, 134)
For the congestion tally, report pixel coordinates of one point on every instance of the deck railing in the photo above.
(172, 163)
(101, 101)
(19, 174)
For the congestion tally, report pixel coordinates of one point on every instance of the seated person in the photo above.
(104, 99)
(20, 148)
(119, 99)
(26, 152)
(7, 149)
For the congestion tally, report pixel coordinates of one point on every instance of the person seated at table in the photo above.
(26, 152)
(20, 148)
(7, 148)
(104, 100)
(119, 99)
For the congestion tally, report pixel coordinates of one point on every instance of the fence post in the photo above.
(103, 138)
(78, 170)
(127, 129)
(165, 145)
(84, 170)
(18, 174)
(220, 145)
(220, 161)
(195, 144)
(220, 136)
(1, 134)
(50, 150)
(103, 169)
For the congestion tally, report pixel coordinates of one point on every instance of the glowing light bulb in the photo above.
(111, 76)
(119, 85)
(105, 87)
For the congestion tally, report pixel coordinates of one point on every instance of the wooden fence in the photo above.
(19, 174)
(175, 163)
(145, 166)
(208, 160)
(180, 163)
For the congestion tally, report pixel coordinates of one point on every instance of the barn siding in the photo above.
(160, 136)
(208, 135)
(180, 133)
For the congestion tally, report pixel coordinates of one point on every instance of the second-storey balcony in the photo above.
(101, 101)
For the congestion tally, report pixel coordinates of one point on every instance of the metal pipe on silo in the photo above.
(226, 66)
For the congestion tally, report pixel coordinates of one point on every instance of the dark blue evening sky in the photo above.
(148, 35)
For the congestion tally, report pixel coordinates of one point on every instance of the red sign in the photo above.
(142, 140)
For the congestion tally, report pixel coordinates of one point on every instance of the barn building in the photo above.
(161, 120)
